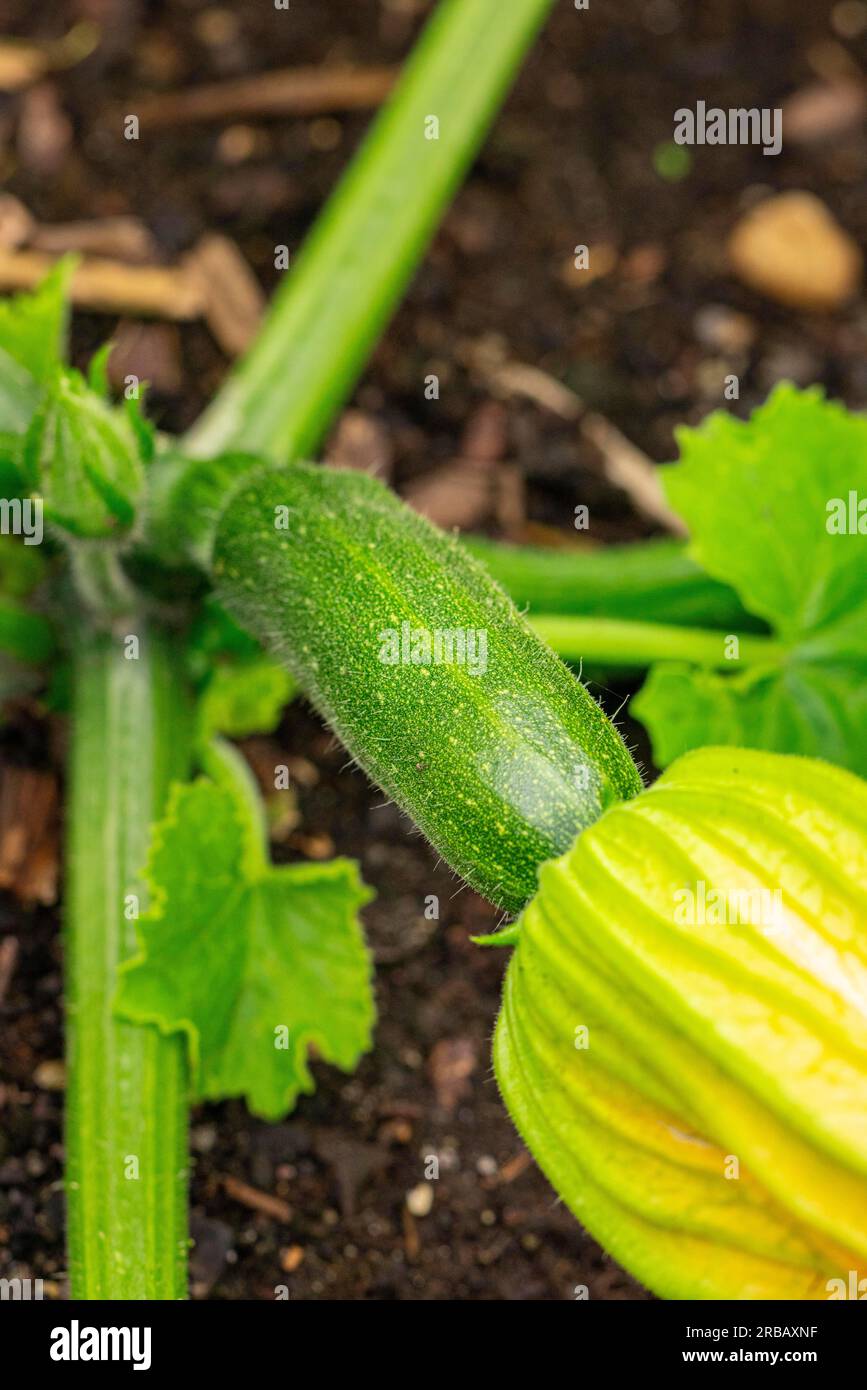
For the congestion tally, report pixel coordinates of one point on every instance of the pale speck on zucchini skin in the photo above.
(517, 759)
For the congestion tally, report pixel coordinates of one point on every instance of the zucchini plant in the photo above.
(154, 675)
(182, 578)
(693, 1079)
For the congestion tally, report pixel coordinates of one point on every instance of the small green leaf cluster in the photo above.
(61, 440)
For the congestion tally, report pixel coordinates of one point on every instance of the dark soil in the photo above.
(570, 161)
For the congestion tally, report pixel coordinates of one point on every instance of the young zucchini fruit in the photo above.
(424, 668)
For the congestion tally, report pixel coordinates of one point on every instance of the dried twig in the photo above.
(112, 287)
(233, 299)
(519, 379)
(623, 462)
(124, 238)
(28, 834)
(628, 468)
(309, 91)
(16, 224)
(8, 959)
(462, 492)
(514, 1167)
(213, 281)
(263, 1202)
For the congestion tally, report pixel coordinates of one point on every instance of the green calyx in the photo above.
(683, 1038)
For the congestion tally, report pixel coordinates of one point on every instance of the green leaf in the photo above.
(12, 463)
(213, 636)
(255, 964)
(84, 459)
(25, 635)
(19, 398)
(32, 342)
(756, 496)
(246, 697)
(803, 707)
(763, 500)
(97, 371)
(242, 691)
(21, 567)
(140, 428)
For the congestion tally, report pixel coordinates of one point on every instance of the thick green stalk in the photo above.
(616, 642)
(652, 581)
(127, 1092)
(365, 246)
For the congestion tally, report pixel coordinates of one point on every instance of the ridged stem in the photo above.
(126, 1116)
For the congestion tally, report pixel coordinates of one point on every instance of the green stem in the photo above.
(127, 1087)
(103, 587)
(331, 308)
(651, 581)
(617, 642)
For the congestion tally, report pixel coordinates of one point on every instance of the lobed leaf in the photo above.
(763, 501)
(255, 964)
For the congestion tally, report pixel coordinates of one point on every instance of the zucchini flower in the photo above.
(683, 1037)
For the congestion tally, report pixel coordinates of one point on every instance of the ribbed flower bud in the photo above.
(683, 1038)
